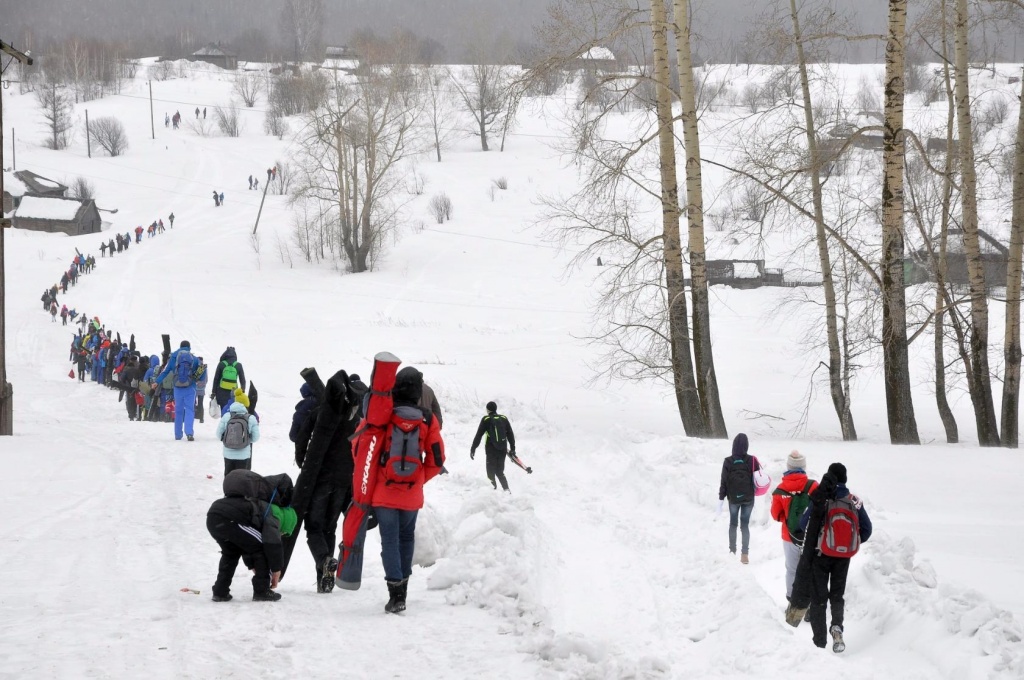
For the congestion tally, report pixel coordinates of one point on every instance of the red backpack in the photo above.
(840, 530)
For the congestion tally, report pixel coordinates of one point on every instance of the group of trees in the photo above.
(789, 166)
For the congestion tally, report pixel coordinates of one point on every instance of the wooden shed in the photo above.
(68, 215)
(216, 55)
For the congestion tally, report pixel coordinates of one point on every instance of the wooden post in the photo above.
(88, 137)
(256, 226)
(152, 125)
(14, 153)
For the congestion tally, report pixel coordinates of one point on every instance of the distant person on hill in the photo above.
(167, 120)
(103, 249)
(138, 234)
(197, 113)
(64, 315)
(238, 430)
(250, 182)
(216, 198)
(181, 366)
(738, 485)
(204, 113)
(256, 183)
(170, 218)
(53, 312)
(500, 442)
(789, 501)
(110, 247)
(222, 198)
(64, 281)
(227, 377)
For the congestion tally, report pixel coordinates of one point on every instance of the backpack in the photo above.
(229, 374)
(401, 456)
(236, 433)
(798, 504)
(495, 434)
(840, 530)
(183, 369)
(739, 481)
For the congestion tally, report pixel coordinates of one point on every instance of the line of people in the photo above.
(80, 264)
(822, 526)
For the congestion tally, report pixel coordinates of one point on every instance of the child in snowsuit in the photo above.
(501, 441)
(238, 458)
(738, 484)
(248, 523)
(202, 378)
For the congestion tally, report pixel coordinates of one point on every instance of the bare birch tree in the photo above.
(55, 104)
(439, 107)
(301, 27)
(484, 90)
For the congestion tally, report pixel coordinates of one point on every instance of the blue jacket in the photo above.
(862, 515)
(171, 364)
(154, 366)
(254, 432)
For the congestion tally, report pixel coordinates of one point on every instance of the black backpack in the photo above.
(739, 480)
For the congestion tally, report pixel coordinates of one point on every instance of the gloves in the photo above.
(472, 454)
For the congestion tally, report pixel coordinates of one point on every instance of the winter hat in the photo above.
(838, 470)
(492, 407)
(240, 397)
(408, 386)
(186, 343)
(740, 445)
(796, 461)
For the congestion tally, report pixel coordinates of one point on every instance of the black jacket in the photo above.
(229, 356)
(256, 514)
(747, 464)
(500, 438)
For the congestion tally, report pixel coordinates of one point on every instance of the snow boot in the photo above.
(838, 646)
(190, 438)
(222, 598)
(268, 596)
(325, 583)
(794, 616)
(744, 559)
(396, 589)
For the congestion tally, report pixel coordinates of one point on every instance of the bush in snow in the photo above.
(227, 120)
(83, 189)
(274, 123)
(110, 134)
(441, 207)
(501, 183)
(248, 87)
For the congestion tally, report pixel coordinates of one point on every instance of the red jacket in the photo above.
(410, 497)
(792, 482)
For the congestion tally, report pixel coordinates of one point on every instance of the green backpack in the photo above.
(798, 505)
(229, 376)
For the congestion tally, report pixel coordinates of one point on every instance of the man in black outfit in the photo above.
(501, 441)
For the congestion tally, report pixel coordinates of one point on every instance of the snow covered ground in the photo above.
(608, 562)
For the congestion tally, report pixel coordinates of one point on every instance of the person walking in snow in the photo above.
(789, 501)
(216, 198)
(53, 312)
(110, 247)
(250, 182)
(256, 183)
(197, 113)
(827, 573)
(64, 281)
(222, 198)
(160, 225)
(138, 233)
(397, 497)
(167, 120)
(238, 430)
(248, 523)
(103, 249)
(204, 113)
(180, 367)
(64, 315)
(170, 218)
(202, 375)
(227, 377)
(738, 485)
(501, 441)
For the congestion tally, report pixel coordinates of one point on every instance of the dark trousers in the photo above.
(496, 468)
(828, 585)
(236, 543)
(325, 507)
(200, 414)
(130, 405)
(81, 372)
(232, 464)
(397, 541)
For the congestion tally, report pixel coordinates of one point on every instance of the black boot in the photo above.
(397, 602)
(268, 596)
(325, 580)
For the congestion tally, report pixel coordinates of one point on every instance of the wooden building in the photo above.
(68, 215)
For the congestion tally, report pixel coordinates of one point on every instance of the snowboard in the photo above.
(366, 452)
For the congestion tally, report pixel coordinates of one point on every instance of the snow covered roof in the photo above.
(39, 184)
(598, 53)
(745, 270)
(13, 185)
(49, 208)
(212, 51)
(340, 64)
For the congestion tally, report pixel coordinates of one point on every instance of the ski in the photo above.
(515, 459)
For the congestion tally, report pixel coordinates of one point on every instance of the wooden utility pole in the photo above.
(6, 390)
(266, 185)
(152, 125)
(14, 153)
(88, 137)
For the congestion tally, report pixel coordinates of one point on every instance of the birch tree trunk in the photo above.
(840, 397)
(1011, 340)
(896, 363)
(707, 382)
(978, 376)
(687, 398)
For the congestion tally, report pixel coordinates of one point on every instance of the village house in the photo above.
(72, 216)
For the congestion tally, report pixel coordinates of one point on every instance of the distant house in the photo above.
(37, 185)
(69, 215)
(342, 58)
(216, 55)
(918, 267)
(14, 189)
(596, 59)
